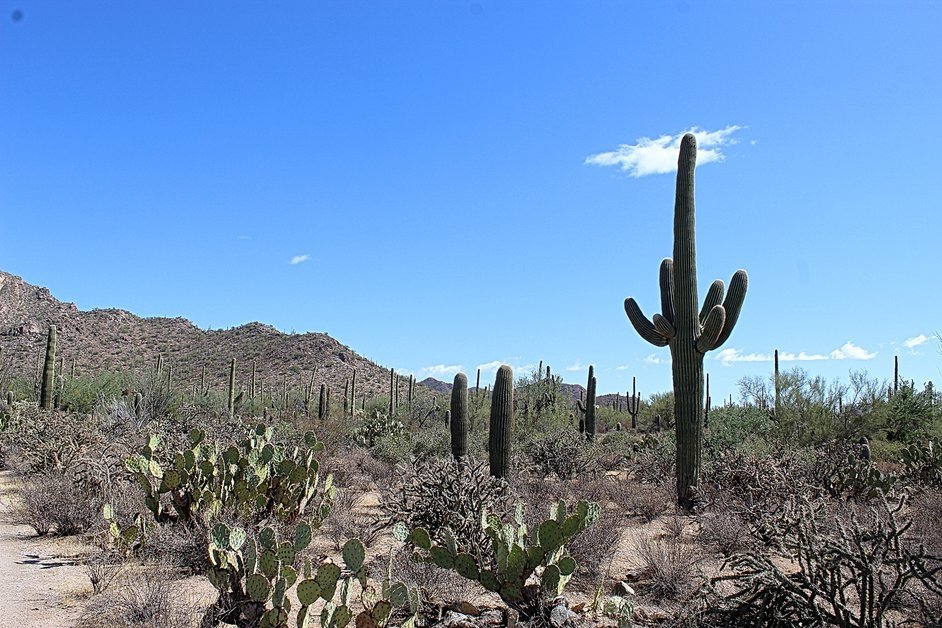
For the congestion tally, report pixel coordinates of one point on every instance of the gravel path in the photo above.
(42, 581)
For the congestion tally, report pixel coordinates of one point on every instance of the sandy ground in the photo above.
(42, 581)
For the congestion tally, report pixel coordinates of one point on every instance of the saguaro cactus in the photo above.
(230, 397)
(48, 386)
(633, 404)
(459, 416)
(588, 409)
(688, 332)
(502, 417)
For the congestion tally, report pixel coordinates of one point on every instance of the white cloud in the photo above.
(915, 341)
(299, 259)
(655, 359)
(622, 368)
(244, 237)
(490, 367)
(438, 371)
(659, 155)
(730, 355)
(576, 367)
(850, 351)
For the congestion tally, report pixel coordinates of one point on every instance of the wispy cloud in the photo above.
(576, 367)
(624, 367)
(490, 368)
(244, 237)
(848, 351)
(915, 341)
(438, 371)
(299, 259)
(659, 155)
(654, 359)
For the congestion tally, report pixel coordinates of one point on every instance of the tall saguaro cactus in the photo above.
(230, 396)
(588, 408)
(48, 385)
(459, 416)
(688, 331)
(502, 418)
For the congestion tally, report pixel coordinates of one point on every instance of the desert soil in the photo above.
(42, 581)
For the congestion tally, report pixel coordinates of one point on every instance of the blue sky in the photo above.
(454, 184)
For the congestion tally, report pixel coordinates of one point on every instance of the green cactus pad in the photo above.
(286, 553)
(107, 512)
(327, 575)
(342, 616)
(219, 578)
(535, 556)
(516, 562)
(420, 538)
(381, 612)
(308, 591)
(219, 536)
(365, 620)
(236, 538)
(136, 464)
(268, 563)
(197, 436)
(489, 581)
(171, 481)
(267, 538)
(466, 567)
(258, 587)
(442, 557)
(274, 618)
(250, 555)
(231, 455)
(189, 459)
(551, 580)
(290, 575)
(449, 538)
(550, 535)
(353, 554)
(567, 565)
(511, 591)
(278, 594)
(572, 525)
(398, 594)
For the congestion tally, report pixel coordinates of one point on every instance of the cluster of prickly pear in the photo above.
(254, 478)
(517, 555)
(253, 575)
(860, 478)
(123, 538)
(374, 427)
(923, 463)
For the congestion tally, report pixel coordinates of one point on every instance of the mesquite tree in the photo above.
(689, 332)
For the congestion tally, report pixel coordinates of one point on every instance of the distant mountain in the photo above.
(117, 340)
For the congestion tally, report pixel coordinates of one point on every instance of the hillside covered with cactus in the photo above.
(116, 340)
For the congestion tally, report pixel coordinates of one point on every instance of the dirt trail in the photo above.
(42, 582)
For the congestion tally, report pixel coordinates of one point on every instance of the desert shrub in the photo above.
(594, 547)
(564, 454)
(439, 587)
(38, 439)
(669, 566)
(346, 522)
(652, 457)
(151, 599)
(737, 426)
(103, 569)
(649, 501)
(181, 545)
(853, 573)
(859, 479)
(724, 531)
(52, 503)
(82, 394)
(393, 449)
(448, 494)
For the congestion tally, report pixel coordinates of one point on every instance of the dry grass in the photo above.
(669, 566)
(148, 599)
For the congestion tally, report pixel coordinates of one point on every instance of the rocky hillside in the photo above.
(117, 340)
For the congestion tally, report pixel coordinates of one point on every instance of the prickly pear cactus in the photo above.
(516, 554)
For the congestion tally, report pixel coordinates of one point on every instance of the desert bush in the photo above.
(39, 439)
(103, 569)
(82, 394)
(345, 522)
(594, 547)
(564, 454)
(649, 501)
(853, 573)
(652, 457)
(448, 494)
(150, 599)
(669, 566)
(439, 587)
(52, 503)
(724, 531)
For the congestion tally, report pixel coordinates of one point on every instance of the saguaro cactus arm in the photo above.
(733, 305)
(642, 325)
